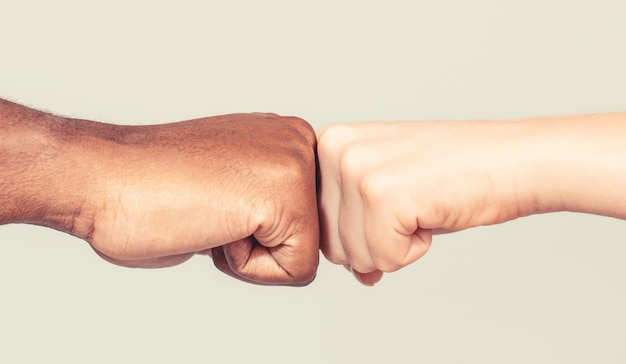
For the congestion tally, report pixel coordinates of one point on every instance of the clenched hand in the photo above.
(241, 185)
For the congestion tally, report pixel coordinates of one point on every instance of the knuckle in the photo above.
(376, 187)
(305, 128)
(333, 138)
(300, 128)
(290, 171)
(354, 161)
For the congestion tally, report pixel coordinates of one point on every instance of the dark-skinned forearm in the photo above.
(40, 175)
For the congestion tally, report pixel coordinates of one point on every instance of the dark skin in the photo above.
(241, 186)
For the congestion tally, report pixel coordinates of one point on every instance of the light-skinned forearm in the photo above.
(574, 163)
(386, 188)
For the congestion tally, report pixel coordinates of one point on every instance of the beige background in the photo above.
(541, 289)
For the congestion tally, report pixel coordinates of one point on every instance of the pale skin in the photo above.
(241, 186)
(386, 188)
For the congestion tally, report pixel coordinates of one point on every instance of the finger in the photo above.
(221, 263)
(252, 261)
(444, 231)
(369, 279)
(392, 233)
(285, 249)
(328, 201)
(205, 252)
(392, 251)
(352, 232)
(354, 161)
(294, 250)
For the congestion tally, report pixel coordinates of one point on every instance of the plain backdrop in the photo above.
(542, 289)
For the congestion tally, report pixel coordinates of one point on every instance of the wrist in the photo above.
(529, 168)
(511, 185)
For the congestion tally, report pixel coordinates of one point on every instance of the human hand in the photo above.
(241, 185)
(385, 188)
